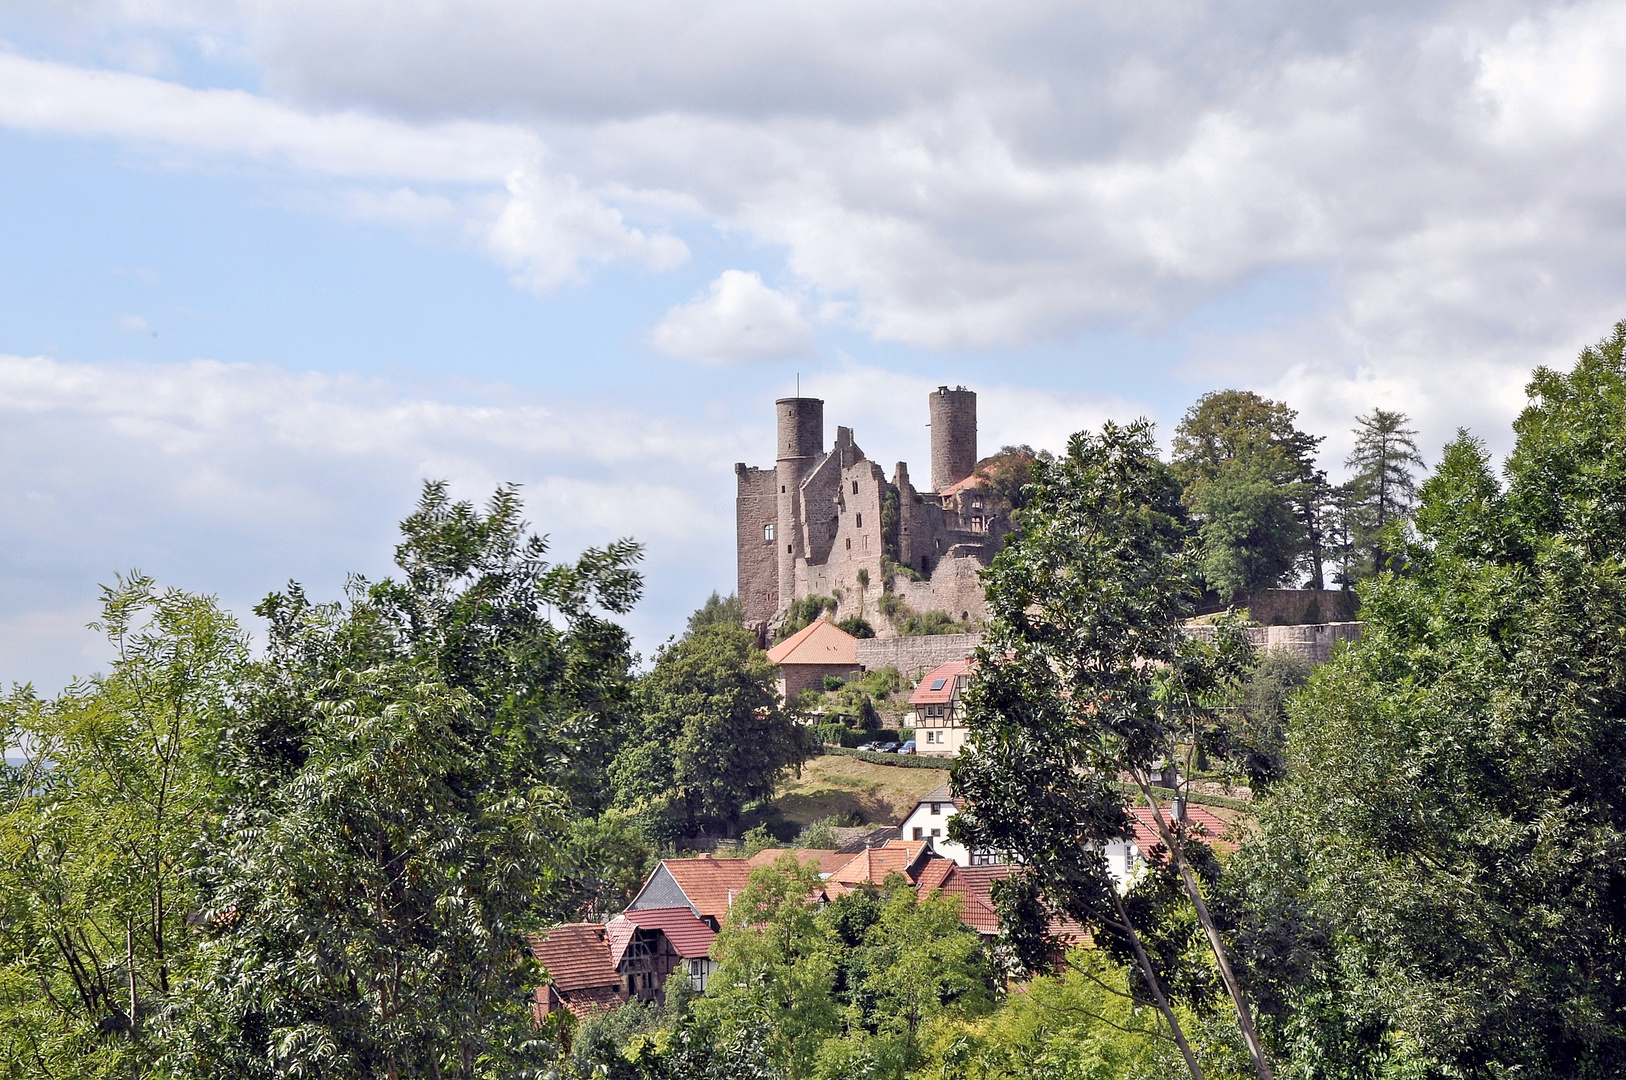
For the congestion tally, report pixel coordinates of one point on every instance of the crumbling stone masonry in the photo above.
(829, 523)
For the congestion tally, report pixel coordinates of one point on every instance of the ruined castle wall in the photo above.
(855, 544)
(756, 509)
(953, 587)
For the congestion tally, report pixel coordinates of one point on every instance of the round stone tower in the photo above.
(801, 441)
(954, 435)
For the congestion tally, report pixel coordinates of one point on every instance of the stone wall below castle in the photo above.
(914, 656)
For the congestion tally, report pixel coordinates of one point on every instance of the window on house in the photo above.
(936, 833)
(919, 833)
(937, 807)
(855, 487)
(938, 684)
(767, 531)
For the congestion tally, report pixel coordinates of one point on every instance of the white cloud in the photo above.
(738, 319)
(233, 478)
(134, 323)
(548, 228)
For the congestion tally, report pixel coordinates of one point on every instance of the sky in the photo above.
(265, 267)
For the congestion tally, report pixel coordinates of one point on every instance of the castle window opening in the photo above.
(859, 520)
(789, 549)
(849, 543)
(925, 564)
(855, 487)
(767, 531)
(781, 489)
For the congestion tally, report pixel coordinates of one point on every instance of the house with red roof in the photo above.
(940, 729)
(807, 656)
(591, 967)
(706, 886)
(578, 974)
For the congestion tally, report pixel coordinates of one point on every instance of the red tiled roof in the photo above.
(829, 861)
(936, 687)
(974, 886)
(710, 884)
(576, 956)
(1214, 827)
(691, 937)
(823, 642)
(874, 864)
(934, 872)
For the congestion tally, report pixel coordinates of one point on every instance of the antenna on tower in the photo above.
(798, 384)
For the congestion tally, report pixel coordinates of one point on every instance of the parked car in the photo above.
(908, 747)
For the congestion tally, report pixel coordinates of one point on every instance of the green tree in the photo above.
(403, 780)
(1085, 676)
(1080, 1024)
(1250, 538)
(1239, 425)
(715, 737)
(97, 839)
(776, 970)
(1382, 488)
(1442, 878)
(716, 611)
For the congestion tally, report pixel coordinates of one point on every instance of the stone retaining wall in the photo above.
(1313, 641)
(914, 656)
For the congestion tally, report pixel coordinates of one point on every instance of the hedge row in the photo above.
(904, 761)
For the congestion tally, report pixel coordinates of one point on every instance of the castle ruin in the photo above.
(829, 523)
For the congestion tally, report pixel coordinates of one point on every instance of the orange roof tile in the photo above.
(829, 861)
(710, 884)
(823, 642)
(936, 687)
(1214, 829)
(576, 956)
(874, 864)
(689, 936)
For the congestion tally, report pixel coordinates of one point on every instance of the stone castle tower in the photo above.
(831, 523)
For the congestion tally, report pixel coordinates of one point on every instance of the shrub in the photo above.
(930, 623)
(834, 682)
(857, 626)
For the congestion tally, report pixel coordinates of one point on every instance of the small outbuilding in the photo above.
(807, 656)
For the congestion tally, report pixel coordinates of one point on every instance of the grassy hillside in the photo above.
(877, 794)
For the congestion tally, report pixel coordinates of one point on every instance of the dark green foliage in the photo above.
(930, 623)
(713, 736)
(403, 782)
(716, 611)
(857, 626)
(1382, 489)
(1250, 537)
(1085, 675)
(1239, 426)
(1442, 877)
